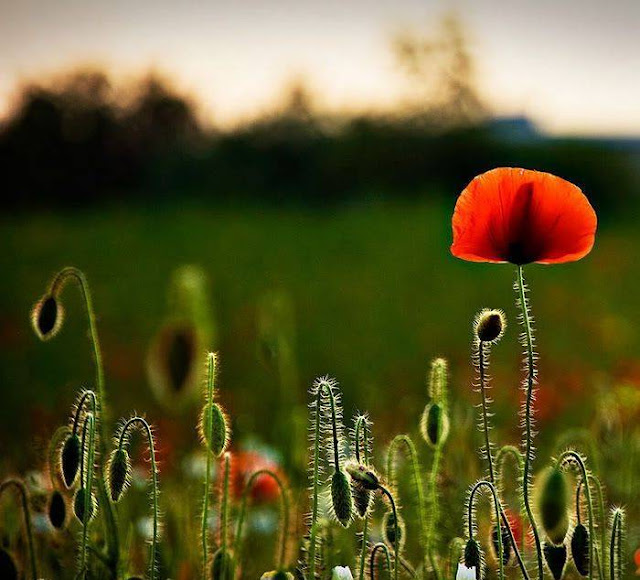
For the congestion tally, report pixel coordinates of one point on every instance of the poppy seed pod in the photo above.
(556, 558)
(506, 543)
(363, 475)
(213, 421)
(389, 530)
(553, 505)
(489, 325)
(57, 510)
(473, 556)
(47, 317)
(119, 473)
(580, 549)
(434, 425)
(8, 568)
(78, 506)
(341, 498)
(361, 499)
(70, 459)
(223, 565)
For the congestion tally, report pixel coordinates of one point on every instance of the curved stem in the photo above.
(396, 542)
(603, 523)
(284, 502)
(26, 513)
(211, 369)
(57, 284)
(324, 389)
(372, 562)
(361, 434)
(572, 456)
(615, 548)
(86, 394)
(415, 468)
(530, 382)
(86, 483)
(141, 422)
(497, 512)
(60, 435)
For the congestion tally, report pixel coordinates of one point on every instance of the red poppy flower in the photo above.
(522, 216)
(243, 465)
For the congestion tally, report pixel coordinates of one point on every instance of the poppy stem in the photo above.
(372, 561)
(616, 558)
(211, 372)
(527, 340)
(396, 538)
(361, 434)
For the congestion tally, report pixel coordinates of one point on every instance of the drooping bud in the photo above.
(363, 475)
(389, 530)
(119, 473)
(434, 424)
(580, 549)
(341, 498)
(79, 506)
(556, 558)
(223, 565)
(553, 505)
(506, 543)
(57, 510)
(213, 421)
(8, 568)
(489, 325)
(473, 557)
(47, 317)
(70, 459)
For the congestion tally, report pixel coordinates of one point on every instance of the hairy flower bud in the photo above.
(363, 475)
(277, 575)
(556, 558)
(341, 498)
(57, 510)
(580, 549)
(553, 505)
(213, 421)
(47, 317)
(70, 459)
(489, 325)
(79, 506)
(434, 425)
(389, 530)
(473, 556)
(223, 565)
(119, 473)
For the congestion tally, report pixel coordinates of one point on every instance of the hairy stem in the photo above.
(497, 512)
(530, 382)
(615, 548)
(26, 514)
(396, 542)
(362, 435)
(87, 483)
(372, 562)
(211, 369)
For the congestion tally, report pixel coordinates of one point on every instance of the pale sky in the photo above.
(572, 65)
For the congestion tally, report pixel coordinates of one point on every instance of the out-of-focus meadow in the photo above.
(322, 239)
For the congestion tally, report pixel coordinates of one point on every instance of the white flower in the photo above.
(465, 573)
(341, 573)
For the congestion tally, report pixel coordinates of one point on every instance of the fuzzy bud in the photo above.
(489, 325)
(213, 421)
(119, 473)
(473, 556)
(57, 510)
(580, 549)
(434, 425)
(78, 506)
(341, 498)
(553, 505)
(556, 558)
(47, 317)
(70, 459)
(277, 575)
(8, 568)
(389, 530)
(223, 565)
(363, 475)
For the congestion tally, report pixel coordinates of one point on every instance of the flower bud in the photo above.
(580, 549)
(8, 568)
(277, 575)
(556, 558)
(341, 498)
(389, 530)
(489, 325)
(434, 425)
(57, 510)
(363, 475)
(119, 473)
(553, 505)
(213, 421)
(223, 565)
(70, 459)
(473, 556)
(47, 317)
(78, 506)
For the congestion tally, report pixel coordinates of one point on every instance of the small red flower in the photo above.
(522, 216)
(244, 464)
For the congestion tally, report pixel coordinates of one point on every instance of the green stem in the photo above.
(572, 456)
(224, 522)
(141, 422)
(284, 503)
(485, 407)
(415, 468)
(26, 514)
(396, 539)
(59, 436)
(211, 369)
(372, 562)
(111, 526)
(362, 435)
(615, 548)
(456, 548)
(86, 483)
(530, 382)
(497, 511)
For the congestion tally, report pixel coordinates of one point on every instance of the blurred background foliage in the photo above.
(321, 241)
